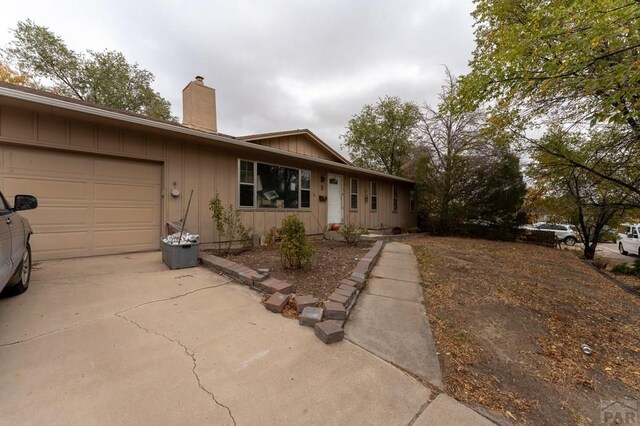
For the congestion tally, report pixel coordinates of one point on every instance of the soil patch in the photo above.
(509, 320)
(332, 262)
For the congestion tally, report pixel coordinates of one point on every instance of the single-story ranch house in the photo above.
(107, 181)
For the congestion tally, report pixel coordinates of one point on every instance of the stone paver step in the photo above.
(329, 331)
(276, 302)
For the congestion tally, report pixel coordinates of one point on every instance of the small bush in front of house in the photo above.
(228, 224)
(352, 233)
(295, 248)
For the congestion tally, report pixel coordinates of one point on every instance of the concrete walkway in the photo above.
(390, 322)
(389, 319)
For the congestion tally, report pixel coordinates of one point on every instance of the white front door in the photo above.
(335, 199)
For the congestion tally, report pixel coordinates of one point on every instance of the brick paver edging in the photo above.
(352, 286)
(337, 308)
(244, 275)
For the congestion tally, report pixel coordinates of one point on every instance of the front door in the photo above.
(335, 199)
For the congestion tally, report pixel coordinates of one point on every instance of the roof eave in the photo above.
(227, 140)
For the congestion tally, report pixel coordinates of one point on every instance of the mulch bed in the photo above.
(509, 320)
(332, 262)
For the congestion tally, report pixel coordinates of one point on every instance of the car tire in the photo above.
(570, 241)
(20, 281)
(622, 250)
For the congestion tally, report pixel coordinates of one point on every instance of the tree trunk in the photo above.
(590, 251)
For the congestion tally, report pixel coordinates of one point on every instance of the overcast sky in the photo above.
(276, 65)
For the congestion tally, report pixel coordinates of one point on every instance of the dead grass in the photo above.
(509, 319)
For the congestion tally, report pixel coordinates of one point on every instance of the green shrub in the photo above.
(295, 248)
(624, 269)
(352, 233)
(228, 224)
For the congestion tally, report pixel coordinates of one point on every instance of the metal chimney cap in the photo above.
(199, 78)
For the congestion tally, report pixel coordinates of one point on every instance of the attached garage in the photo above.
(88, 204)
(107, 181)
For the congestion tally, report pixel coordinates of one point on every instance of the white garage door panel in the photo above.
(69, 244)
(88, 205)
(48, 190)
(133, 194)
(34, 162)
(126, 172)
(125, 241)
(57, 218)
(126, 216)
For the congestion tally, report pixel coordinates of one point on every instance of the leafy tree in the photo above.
(584, 199)
(7, 75)
(568, 61)
(466, 170)
(501, 190)
(573, 59)
(104, 78)
(381, 136)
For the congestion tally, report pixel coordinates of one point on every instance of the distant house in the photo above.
(107, 180)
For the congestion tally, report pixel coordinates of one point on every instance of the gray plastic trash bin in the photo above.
(181, 255)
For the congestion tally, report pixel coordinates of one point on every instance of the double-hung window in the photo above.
(305, 189)
(354, 194)
(374, 196)
(247, 183)
(271, 186)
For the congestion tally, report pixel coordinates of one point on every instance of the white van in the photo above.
(629, 239)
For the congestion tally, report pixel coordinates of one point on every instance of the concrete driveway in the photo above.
(123, 340)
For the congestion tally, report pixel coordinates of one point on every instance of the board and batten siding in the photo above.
(299, 143)
(197, 165)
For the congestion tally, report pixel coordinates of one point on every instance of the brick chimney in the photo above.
(199, 106)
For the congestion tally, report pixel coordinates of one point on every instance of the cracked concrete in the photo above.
(188, 352)
(123, 340)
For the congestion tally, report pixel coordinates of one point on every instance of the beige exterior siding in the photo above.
(300, 143)
(186, 162)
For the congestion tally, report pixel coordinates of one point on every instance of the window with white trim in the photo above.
(394, 196)
(305, 189)
(247, 183)
(354, 194)
(265, 185)
(374, 196)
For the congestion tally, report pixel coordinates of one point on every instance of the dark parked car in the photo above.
(15, 251)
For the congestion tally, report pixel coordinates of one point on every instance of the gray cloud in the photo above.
(276, 65)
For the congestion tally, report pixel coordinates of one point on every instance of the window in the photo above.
(394, 196)
(412, 200)
(374, 196)
(354, 194)
(247, 180)
(271, 186)
(305, 189)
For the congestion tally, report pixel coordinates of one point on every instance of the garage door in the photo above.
(88, 205)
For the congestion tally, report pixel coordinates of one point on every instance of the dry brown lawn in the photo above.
(509, 320)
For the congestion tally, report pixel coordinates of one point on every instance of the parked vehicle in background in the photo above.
(629, 239)
(15, 251)
(564, 232)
